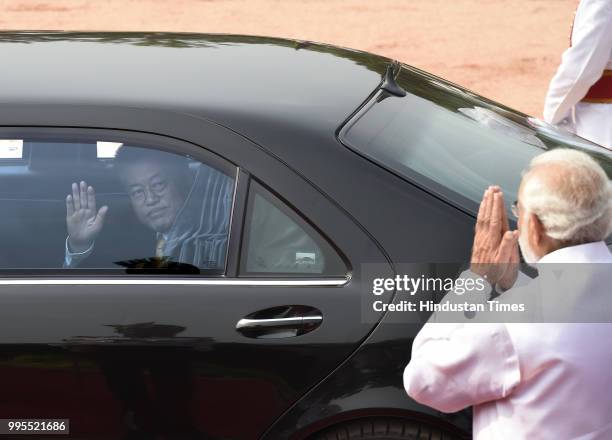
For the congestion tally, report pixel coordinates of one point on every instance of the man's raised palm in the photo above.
(84, 223)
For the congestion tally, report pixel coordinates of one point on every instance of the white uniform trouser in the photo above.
(594, 122)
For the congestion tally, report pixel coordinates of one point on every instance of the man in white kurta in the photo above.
(580, 94)
(532, 380)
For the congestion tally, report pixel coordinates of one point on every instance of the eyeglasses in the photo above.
(155, 189)
(514, 209)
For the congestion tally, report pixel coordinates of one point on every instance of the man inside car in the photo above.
(186, 209)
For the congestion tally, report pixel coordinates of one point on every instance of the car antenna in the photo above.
(389, 84)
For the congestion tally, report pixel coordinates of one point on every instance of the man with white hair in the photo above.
(531, 380)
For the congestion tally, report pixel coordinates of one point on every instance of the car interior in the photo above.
(33, 192)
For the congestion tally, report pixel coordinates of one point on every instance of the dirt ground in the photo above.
(504, 49)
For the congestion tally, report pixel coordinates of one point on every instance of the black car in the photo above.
(189, 223)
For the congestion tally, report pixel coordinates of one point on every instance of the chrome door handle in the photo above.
(278, 322)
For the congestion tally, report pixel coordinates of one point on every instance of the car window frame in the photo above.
(295, 215)
(133, 138)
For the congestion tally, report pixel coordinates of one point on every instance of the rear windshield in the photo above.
(454, 142)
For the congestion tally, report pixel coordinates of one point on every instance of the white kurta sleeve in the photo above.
(584, 62)
(455, 366)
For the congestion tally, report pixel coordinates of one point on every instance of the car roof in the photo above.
(199, 73)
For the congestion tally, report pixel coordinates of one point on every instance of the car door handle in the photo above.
(280, 322)
(296, 321)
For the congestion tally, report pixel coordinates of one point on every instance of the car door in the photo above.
(213, 337)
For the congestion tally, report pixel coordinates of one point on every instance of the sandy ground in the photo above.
(504, 49)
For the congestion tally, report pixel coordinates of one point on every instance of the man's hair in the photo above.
(177, 166)
(571, 195)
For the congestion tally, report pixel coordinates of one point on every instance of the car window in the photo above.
(278, 241)
(453, 142)
(411, 136)
(81, 205)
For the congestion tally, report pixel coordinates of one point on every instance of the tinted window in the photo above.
(278, 241)
(453, 141)
(103, 204)
(412, 136)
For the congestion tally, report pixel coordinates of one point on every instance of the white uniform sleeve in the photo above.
(455, 366)
(584, 62)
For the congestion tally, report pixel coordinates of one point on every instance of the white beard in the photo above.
(528, 255)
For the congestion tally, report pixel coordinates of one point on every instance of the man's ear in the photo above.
(536, 231)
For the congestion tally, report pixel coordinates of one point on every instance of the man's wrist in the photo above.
(488, 288)
(77, 250)
(479, 270)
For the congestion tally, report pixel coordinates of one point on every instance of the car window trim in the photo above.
(237, 222)
(310, 282)
(156, 141)
(292, 213)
